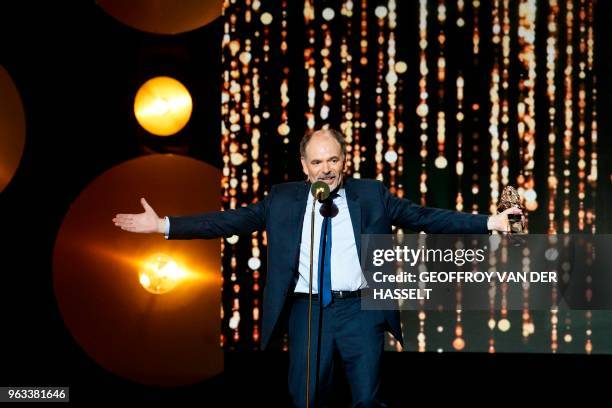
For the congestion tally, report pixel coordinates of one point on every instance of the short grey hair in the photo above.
(332, 132)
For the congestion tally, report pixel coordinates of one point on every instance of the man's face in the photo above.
(323, 160)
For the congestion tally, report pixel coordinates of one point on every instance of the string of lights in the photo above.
(391, 79)
(475, 106)
(592, 177)
(325, 68)
(355, 58)
(346, 79)
(381, 14)
(526, 132)
(551, 92)
(440, 162)
(569, 127)
(494, 95)
(422, 112)
(423, 108)
(492, 295)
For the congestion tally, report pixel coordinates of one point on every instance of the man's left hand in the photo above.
(499, 222)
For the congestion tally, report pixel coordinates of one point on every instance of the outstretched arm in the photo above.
(208, 225)
(243, 220)
(406, 214)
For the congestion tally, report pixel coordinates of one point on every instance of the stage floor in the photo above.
(259, 379)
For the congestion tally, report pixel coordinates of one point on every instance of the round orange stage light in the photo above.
(160, 274)
(163, 16)
(165, 335)
(162, 106)
(12, 128)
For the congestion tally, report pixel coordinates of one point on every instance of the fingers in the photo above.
(513, 210)
(124, 220)
(145, 205)
(127, 224)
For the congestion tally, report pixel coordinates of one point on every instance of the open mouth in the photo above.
(328, 179)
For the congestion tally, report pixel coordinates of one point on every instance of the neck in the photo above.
(338, 187)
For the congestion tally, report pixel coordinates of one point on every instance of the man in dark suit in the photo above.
(355, 207)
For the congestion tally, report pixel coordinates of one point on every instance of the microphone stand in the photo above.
(319, 190)
(312, 225)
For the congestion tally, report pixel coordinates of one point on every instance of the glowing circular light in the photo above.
(234, 47)
(162, 106)
(401, 67)
(163, 16)
(503, 325)
(245, 57)
(459, 168)
(391, 156)
(12, 129)
(237, 159)
(254, 263)
(551, 254)
(441, 162)
(129, 300)
(283, 129)
(328, 13)
(531, 205)
(380, 11)
(160, 274)
(232, 240)
(234, 320)
(530, 195)
(391, 78)
(266, 18)
(422, 110)
(458, 344)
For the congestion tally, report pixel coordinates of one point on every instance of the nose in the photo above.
(325, 167)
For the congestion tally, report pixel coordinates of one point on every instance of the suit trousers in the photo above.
(343, 327)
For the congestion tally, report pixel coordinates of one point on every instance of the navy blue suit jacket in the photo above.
(373, 210)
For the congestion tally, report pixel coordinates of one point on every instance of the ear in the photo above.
(304, 167)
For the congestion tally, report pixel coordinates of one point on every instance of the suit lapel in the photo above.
(352, 200)
(301, 198)
(298, 211)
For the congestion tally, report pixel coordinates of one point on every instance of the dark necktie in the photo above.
(325, 248)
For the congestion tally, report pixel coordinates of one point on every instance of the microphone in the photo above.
(320, 190)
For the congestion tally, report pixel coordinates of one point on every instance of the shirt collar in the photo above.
(341, 192)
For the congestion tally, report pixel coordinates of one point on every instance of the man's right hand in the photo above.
(146, 222)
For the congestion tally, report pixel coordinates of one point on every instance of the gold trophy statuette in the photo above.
(510, 198)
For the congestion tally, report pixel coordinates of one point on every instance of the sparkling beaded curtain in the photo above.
(444, 101)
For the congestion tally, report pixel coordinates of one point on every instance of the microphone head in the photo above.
(320, 190)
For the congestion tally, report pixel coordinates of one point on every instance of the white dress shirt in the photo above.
(345, 268)
(167, 225)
